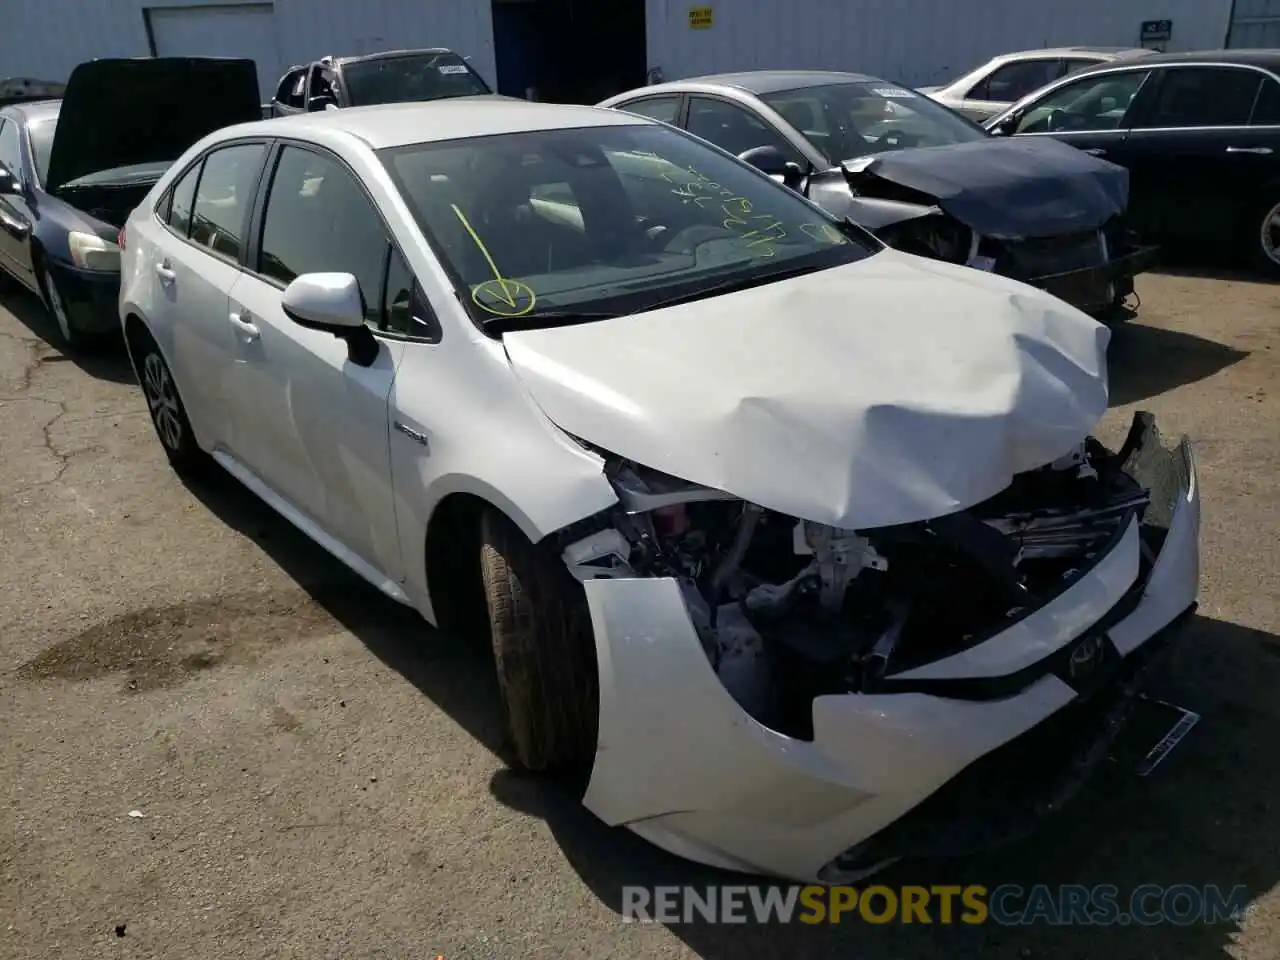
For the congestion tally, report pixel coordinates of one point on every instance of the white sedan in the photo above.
(785, 536)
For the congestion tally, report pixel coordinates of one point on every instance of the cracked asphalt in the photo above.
(317, 773)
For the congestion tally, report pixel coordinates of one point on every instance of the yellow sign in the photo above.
(504, 297)
(700, 18)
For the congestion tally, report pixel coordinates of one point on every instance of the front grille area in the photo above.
(1027, 259)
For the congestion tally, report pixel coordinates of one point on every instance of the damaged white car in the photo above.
(798, 543)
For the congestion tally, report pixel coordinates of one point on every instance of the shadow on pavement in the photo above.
(1207, 815)
(457, 674)
(1146, 361)
(106, 362)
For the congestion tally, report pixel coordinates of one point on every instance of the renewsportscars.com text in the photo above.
(1006, 905)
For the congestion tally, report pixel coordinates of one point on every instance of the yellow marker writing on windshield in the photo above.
(508, 292)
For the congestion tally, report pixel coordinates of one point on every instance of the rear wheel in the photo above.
(1265, 239)
(543, 647)
(168, 415)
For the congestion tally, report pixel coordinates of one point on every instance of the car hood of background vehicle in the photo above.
(887, 391)
(1007, 187)
(117, 113)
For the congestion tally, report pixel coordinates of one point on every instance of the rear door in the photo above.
(315, 425)
(1008, 84)
(1196, 162)
(199, 241)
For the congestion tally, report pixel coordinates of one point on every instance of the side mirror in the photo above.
(322, 102)
(769, 159)
(8, 182)
(332, 302)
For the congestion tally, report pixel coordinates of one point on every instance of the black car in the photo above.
(921, 178)
(397, 76)
(71, 171)
(1198, 132)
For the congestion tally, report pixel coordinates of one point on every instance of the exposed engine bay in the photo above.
(788, 610)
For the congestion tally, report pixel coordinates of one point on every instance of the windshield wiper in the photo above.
(547, 318)
(732, 286)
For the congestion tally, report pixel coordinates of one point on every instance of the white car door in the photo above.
(195, 265)
(314, 423)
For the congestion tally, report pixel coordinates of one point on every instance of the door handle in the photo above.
(165, 272)
(18, 228)
(244, 321)
(1097, 151)
(1260, 151)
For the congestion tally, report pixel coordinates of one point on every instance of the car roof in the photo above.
(1269, 59)
(400, 124)
(1067, 51)
(761, 82)
(29, 110)
(382, 55)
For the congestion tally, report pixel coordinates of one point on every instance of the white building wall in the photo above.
(46, 39)
(911, 41)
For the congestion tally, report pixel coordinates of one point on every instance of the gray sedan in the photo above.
(920, 177)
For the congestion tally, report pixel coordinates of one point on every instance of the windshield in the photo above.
(606, 219)
(847, 120)
(41, 134)
(425, 76)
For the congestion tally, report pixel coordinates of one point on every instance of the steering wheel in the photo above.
(898, 137)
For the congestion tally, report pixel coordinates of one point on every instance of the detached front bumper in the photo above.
(1096, 289)
(681, 764)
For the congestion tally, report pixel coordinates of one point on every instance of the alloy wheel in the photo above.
(162, 398)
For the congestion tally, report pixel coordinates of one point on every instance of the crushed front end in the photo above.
(784, 697)
(1093, 270)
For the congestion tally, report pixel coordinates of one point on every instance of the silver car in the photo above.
(919, 177)
(1004, 80)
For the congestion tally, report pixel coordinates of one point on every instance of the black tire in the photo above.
(73, 338)
(543, 648)
(168, 414)
(1264, 222)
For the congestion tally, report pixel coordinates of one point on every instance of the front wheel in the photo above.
(1264, 241)
(56, 305)
(543, 648)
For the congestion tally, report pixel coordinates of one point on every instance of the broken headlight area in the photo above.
(789, 610)
(936, 236)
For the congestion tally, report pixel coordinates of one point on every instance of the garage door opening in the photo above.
(245, 30)
(569, 51)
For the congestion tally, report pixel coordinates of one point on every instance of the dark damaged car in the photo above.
(922, 178)
(72, 169)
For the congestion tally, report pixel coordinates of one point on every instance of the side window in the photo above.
(733, 128)
(292, 88)
(404, 309)
(321, 85)
(1266, 112)
(1071, 66)
(1014, 81)
(10, 148)
(666, 109)
(1204, 97)
(181, 198)
(1090, 103)
(319, 220)
(223, 196)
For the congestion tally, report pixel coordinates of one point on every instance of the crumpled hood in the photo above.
(886, 391)
(1007, 187)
